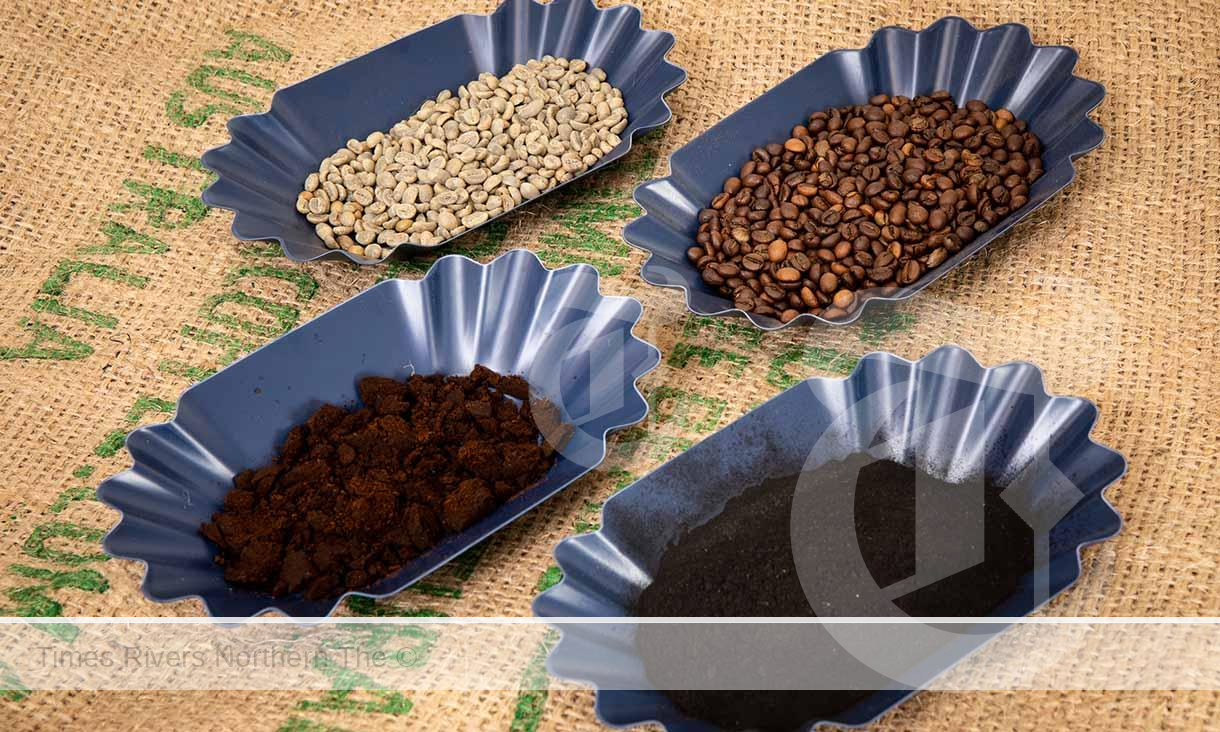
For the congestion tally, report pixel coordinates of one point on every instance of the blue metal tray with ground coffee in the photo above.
(1027, 452)
(572, 344)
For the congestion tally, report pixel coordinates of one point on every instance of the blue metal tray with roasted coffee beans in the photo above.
(821, 259)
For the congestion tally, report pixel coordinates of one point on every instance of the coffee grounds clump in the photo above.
(741, 564)
(862, 200)
(355, 493)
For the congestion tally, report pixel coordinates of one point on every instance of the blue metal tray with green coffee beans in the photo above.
(263, 169)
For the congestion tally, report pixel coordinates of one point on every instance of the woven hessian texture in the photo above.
(120, 289)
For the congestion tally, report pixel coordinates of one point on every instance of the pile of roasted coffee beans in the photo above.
(862, 200)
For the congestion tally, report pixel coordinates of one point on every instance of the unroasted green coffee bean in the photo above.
(464, 158)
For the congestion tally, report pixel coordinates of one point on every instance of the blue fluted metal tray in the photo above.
(261, 171)
(945, 411)
(513, 315)
(999, 65)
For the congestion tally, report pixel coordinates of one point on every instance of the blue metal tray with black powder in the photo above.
(513, 315)
(263, 168)
(944, 413)
(1001, 66)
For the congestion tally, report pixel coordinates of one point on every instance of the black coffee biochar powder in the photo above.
(741, 564)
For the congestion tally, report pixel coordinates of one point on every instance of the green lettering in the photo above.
(708, 357)
(628, 442)
(306, 285)
(285, 315)
(36, 545)
(877, 324)
(811, 357)
(122, 239)
(175, 367)
(202, 79)
(71, 495)
(113, 441)
(264, 249)
(722, 329)
(159, 203)
(66, 349)
(55, 307)
(384, 702)
(232, 345)
(178, 160)
(87, 580)
(621, 478)
(554, 259)
(56, 285)
(367, 606)
(175, 109)
(531, 701)
(250, 47)
(11, 687)
(682, 403)
(551, 577)
(297, 724)
(33, 601)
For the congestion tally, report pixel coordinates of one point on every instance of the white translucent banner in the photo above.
(618, 653)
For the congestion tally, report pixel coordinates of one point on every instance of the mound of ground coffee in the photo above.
(355, 493)
(741, 563)
(861, 200)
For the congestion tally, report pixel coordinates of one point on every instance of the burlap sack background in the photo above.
(1112, 289)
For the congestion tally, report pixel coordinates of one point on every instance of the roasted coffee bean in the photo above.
(777, 251)
(909, 272)
(753, 262)
(881, 274)
(937, 219)
(787, 275)
(862, 196)
(898, 214)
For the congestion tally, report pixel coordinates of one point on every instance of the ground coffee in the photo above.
(355, 493)
(741, 563)
(865, 197)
